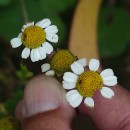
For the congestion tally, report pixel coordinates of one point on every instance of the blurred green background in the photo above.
(113, 40)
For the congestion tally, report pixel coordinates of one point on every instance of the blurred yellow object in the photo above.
(83, 38)
(8, 123)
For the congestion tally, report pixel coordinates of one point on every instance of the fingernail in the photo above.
(41, 94)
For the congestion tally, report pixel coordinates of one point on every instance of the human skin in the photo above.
(44, 107)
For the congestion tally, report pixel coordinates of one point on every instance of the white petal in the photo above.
(19, 36)
(25, 53)
(50, 73)
(107, 92)
(32, 55)
(106, 73)
(23, 28)
(45, 67)
(94, 64)
(51, 29)
(83, 61)
(70, 77)
(77, 68)
(74, 98)
(52, 37)
(48, 48)
(37, 56)
(16, 42)
(43, 23)
(42, 53)
(89, 102)
(68, 85)
(27, 25)
(110, 80)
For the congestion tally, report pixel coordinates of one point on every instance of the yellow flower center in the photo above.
(61, 61)
(88, 82)
(33, 36)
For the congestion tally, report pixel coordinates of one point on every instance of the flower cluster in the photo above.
(80, 78)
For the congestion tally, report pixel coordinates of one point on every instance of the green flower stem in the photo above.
(24, 11)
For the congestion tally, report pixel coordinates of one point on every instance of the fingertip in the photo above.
(108, 113)
(42, 94)
(44, 105)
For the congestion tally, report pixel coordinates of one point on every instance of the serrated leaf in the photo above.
(113, 35)
(24, 73)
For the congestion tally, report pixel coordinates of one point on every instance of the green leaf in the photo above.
(4, 2)
(24, 73)
(11, 21)
(114, 31)
(56, 5)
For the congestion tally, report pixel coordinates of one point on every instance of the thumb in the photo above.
(44, 106)
(113, 114)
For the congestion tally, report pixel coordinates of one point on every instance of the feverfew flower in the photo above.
(34, 37)
(59, 63)
(85, 83)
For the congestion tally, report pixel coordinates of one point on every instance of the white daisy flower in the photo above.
(59, 63)
(85, 83)
(35, 38)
